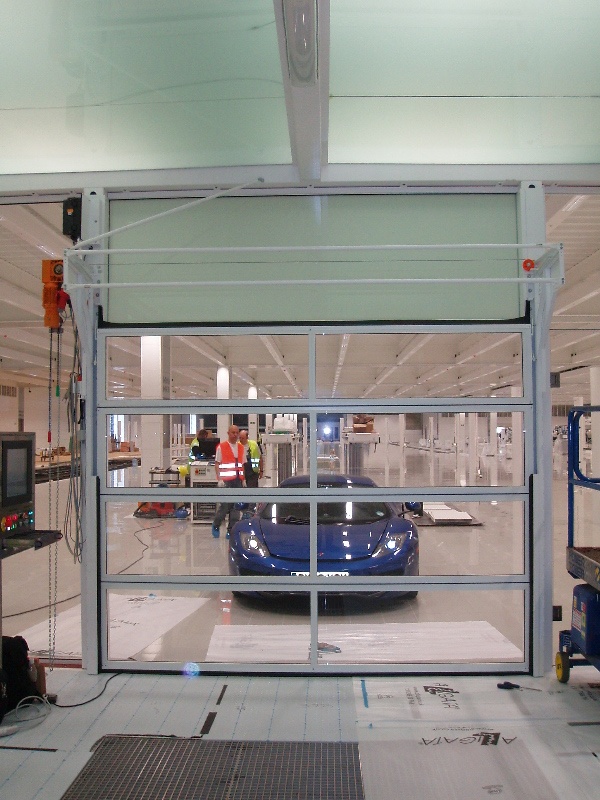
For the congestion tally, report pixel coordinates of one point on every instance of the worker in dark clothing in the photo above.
(253, 460)
(194, 447)
(229, 468)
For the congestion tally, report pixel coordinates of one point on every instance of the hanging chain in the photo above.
(50, 428)
(53, 549)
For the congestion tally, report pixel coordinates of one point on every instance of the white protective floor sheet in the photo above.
(129, 631)
(420, 642)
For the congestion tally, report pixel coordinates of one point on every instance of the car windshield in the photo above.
(327, 513)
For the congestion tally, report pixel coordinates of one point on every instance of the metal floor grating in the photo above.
(126, 767)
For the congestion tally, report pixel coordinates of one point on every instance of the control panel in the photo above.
(18, 520)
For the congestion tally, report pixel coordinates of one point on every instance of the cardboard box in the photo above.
(363, 423)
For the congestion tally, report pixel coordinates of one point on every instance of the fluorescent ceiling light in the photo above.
(573, 203)
(300, 21)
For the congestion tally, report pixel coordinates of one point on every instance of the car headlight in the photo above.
(252, 544)
(391, 543)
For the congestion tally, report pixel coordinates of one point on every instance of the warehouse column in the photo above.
(223, 420)
(459, 438)
(402, 455)
(252, 418)
(155, 385)
(473, 450)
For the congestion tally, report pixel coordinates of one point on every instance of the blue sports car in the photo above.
(353, 538)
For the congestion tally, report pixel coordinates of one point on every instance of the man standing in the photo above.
(229, 467)
(253, 461)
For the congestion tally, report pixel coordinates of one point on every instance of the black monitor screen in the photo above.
(206, 449)
(17, 478)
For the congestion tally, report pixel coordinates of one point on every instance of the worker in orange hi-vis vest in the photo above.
(229, 466)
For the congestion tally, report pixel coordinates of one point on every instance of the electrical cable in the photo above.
(72, 528)
(91, 700)
(16, 724)
(40, 608)
(144, 545)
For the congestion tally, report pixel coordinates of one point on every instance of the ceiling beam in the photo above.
(29, 227)
(40, 339)
(25, 358)
(204, 349)
(303, 36)
(277, 356)
(418, 342)
(345, 340)
(13, 296)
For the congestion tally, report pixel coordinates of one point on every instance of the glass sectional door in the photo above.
(390, 528)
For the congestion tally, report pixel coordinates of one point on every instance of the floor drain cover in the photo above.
(147, 767)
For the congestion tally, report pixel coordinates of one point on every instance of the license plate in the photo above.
(322, 574)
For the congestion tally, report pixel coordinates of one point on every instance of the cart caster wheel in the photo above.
(563, 667)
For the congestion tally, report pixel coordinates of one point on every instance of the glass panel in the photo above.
(276, 366)
(381, 539)
(199, 627)
(393, 450)
(149, 539)
(477, 538)
(354, 539)
(586, 519)
(264, 282)
(435, 627)
(417, 449)
(144, 86)
(366, 130)
(397, 450)
(586, 497)
(553, 83)
(402, 365)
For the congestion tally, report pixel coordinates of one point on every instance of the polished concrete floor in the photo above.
(418, 736)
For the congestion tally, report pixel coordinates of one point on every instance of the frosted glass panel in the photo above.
(279, 286)
(464, 82)
(130, 85)
(475, 130)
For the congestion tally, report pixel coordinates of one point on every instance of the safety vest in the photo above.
(255, 455)
(195, 443)
(231, 467)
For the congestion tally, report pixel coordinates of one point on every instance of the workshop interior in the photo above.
(319, 226)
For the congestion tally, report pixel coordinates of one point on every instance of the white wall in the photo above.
(36, 416)
(8, 413)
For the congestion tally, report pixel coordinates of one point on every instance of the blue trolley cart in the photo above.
(581, 643)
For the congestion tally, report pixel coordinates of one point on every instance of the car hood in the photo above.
(335, 542)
